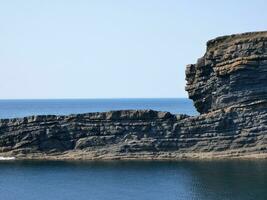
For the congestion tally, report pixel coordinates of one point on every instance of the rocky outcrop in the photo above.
(228, 86)
(233, 71)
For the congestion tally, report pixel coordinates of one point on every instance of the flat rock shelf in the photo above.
(228, 86)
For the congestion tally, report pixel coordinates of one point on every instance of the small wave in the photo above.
(7, 158)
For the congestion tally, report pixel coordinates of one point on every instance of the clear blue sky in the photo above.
(111, 48)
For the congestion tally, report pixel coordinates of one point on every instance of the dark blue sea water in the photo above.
(119, 180)
(22, 108)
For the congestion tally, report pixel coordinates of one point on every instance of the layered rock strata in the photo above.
(228, 86)
(233, 71)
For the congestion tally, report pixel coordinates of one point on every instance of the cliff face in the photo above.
(232, 72)
(228, 86)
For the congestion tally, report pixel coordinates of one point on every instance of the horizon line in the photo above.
(108, 98)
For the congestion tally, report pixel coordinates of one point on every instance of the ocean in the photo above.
(125, 180)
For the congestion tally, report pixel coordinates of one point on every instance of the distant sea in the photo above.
(22, 108)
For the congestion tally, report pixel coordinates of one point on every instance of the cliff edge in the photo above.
(228, 86)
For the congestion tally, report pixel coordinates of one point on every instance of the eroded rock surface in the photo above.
(228, 86)
(233, 71)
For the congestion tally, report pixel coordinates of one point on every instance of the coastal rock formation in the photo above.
(228, 86)
(233, 71)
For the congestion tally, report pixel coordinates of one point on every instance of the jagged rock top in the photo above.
(217, 79)
(235, 38)
(111, 115)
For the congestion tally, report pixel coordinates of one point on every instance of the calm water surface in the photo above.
(231, 180)
(22, 108)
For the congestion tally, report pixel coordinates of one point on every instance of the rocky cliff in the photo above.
(233, 71)
(228, 86)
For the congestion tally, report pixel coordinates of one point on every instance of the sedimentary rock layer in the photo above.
(233, 71)
(136, 134)
(228, 86)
